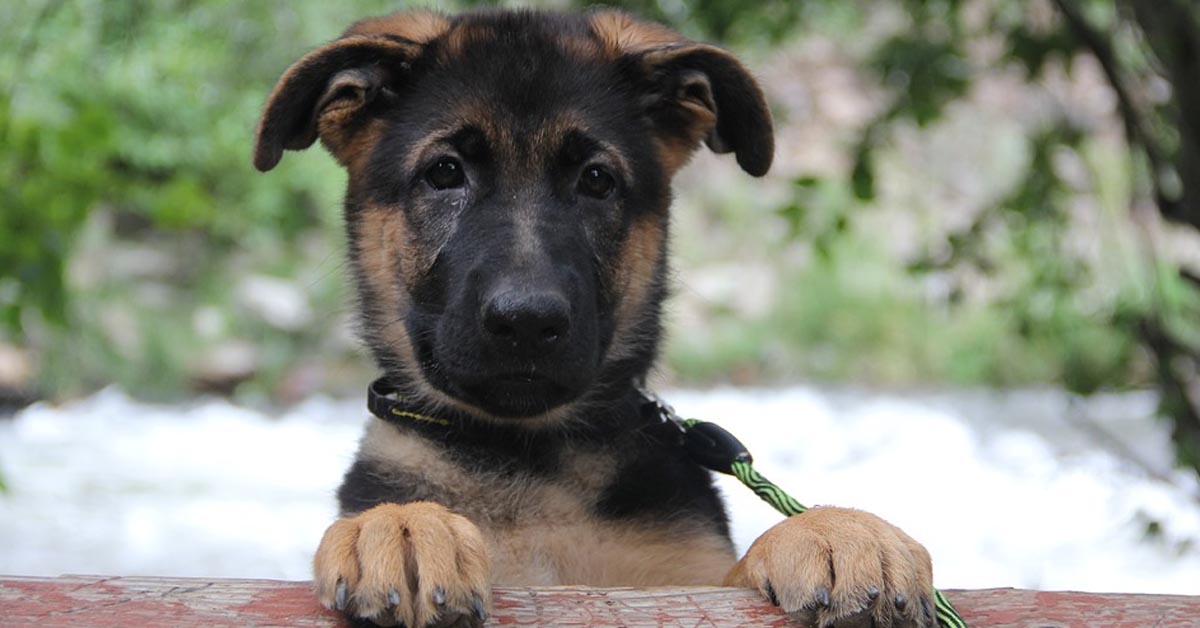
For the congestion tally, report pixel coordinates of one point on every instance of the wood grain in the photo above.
(103, 602)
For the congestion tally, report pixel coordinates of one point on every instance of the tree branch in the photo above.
(1133, 119)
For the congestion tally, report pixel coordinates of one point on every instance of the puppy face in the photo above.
(508, 191)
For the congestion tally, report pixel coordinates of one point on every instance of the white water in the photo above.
(1000, 487)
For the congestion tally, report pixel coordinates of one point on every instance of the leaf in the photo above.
(927, 72)
(795, 214)
(1035, 50)
(807, 181)
(862, 178)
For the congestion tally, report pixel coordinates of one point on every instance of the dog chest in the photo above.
(546, 529)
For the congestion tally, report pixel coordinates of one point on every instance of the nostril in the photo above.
(502, 331)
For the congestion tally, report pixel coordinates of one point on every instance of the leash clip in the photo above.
(708, 444)
(714, 447)
(653, 407)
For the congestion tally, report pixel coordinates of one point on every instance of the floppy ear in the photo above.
(701, 92)
(693, 92)
(327, 90)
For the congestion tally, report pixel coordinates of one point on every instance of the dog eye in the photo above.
(596, 182)
(446, 173)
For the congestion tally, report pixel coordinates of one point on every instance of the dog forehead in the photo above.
(528, 69)
(526, 93)
(519, 33)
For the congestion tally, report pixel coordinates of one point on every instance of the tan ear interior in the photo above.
(695, 94)
(348, 90)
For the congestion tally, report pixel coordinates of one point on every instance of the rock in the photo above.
(278, 302)
(220, 369)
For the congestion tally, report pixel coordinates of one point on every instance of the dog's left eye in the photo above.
(596, 182)
(446, 173)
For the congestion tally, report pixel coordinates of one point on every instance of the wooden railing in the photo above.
(102, 602)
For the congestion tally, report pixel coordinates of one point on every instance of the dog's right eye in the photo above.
(445, 174)
(596, 182)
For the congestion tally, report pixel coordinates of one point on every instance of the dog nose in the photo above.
(532, 323)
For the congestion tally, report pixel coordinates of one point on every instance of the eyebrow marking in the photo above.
(579, 147)
(469, 140)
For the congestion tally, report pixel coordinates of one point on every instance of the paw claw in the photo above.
(771, 594)
(339, 597)
(479, 609)
(900, 601)
(823, 597)
(439, 597)
(873, 593)
(393, 597)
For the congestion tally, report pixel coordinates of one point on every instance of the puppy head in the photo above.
(509, 181)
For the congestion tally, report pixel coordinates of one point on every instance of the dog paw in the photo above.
(842, 568)
(413, 565)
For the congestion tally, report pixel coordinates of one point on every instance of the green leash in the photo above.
(718, 450)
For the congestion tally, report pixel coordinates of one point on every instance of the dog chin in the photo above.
(507, 395)
(517, 397)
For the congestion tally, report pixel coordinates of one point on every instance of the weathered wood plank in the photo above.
(101, 602)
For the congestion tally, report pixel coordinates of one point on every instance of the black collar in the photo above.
(385, 402)
(707, 443)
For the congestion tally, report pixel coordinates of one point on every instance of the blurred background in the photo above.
(980, 236)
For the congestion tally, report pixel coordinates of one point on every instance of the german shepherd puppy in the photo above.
(507, 215)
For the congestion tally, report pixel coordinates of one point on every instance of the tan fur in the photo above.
(675, 153)
(639, 257)
(389, 261)
(542, 531)
(620, 33)
(846, 552)
(675, 150)
(382, 442)
(582, 550)
(412, 549)
(417, 26)
(462, 36)
(387, 251)
(337, 559)
(351, 149)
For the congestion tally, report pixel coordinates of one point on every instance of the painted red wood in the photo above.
(90, 601)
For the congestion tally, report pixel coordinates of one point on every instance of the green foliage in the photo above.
(927, 73)
(127, 126)
(1036, 49)
(1051, 298)
(143, 112)
(819, 212)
